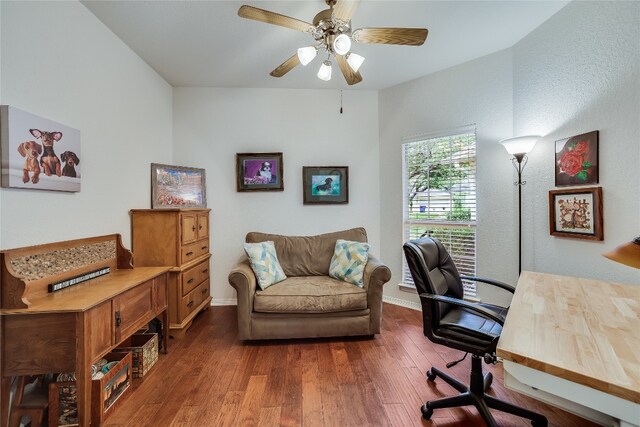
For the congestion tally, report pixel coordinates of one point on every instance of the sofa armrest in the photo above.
(243, 280)
(376, 274)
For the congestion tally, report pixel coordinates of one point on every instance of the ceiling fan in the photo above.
(331, 29)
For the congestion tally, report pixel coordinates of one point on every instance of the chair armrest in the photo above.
(493, 282)
(376, 274)
(244, 281)
(482, 311)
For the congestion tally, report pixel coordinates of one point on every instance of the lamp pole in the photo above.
(519, 161)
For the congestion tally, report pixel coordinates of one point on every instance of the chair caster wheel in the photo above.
(431, 376)
(426, 412)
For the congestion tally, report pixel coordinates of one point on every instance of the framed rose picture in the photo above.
(577, 160)
(177, 187)
(259, 172)
(325, 184)
(576, 213)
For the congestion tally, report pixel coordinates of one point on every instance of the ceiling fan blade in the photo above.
(262, 15)
(344, 9)
(352, 77)
(286, 66)
(403, 36)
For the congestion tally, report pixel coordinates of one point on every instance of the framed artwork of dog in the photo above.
(259, 172)
(29, 152)
(177, 187)
(325, 185)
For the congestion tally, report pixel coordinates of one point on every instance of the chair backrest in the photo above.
(433, 272)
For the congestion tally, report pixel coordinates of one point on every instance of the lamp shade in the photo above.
(306, 54)
(627, 254)
(355, 61)
(341, 44)
(520, 144)
(325, 71)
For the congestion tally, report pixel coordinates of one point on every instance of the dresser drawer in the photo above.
(193, 299)
(188, 253)
(194, 276)
(202, 247)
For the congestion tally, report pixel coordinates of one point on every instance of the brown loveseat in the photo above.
(308, 303)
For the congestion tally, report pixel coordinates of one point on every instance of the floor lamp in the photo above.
(519, 147)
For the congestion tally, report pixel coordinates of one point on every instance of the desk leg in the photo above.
(83, 373)
(165, 331)
(5, 391)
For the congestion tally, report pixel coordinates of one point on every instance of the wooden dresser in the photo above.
(68, 330)
(178, 238)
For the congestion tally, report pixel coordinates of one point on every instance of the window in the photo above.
(439, 184)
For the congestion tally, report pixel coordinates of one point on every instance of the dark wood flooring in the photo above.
(209, 378)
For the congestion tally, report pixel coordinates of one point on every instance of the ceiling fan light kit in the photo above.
(331, 30)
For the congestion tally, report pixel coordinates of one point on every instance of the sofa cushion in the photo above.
(312, 294)
(264, 263)
(307, 255)
(348, 262)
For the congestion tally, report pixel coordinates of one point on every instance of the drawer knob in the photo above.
(205, 270)
(190, 304)
(190, 280)
(189, 253)
(203, 248)
(204, 291)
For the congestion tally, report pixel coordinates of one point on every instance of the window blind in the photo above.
(439, 184)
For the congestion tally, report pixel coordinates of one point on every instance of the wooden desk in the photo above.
(578, 342)
(71, 329)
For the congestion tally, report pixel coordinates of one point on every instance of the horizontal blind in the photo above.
(439, 186)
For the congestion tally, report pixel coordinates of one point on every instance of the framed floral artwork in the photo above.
(577, 160)
(259, 172)
(323, 185)
(576, 213)
(177, 187)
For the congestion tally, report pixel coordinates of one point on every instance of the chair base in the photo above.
(475, 395)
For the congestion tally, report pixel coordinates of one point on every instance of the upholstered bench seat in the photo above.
(310, 294)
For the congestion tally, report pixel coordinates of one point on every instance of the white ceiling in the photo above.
(205, 43)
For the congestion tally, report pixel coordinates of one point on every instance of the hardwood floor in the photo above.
(209, 378)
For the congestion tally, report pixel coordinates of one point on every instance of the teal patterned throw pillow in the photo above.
(348, 261)
(264, 263)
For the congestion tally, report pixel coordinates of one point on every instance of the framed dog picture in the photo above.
(259, 172)
(177, 187)
(38, 153)
(323, 185)
(576, 213)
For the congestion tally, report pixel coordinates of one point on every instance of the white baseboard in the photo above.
(403, 303)
(224, 301)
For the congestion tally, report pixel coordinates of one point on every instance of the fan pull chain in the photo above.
(340, 102)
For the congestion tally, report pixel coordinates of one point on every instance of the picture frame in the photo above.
(259, 172)
(576, 160)
(576, 213)
(177, 187)
(325, 185)
(38, 153)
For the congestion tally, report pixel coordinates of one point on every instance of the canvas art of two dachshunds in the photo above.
(49, 162)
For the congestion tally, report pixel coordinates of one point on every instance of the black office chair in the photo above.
(470, 327)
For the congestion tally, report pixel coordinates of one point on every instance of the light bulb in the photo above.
(520, 144)
(341, 44)
(355, 61)
(306, 54)
(325, 71)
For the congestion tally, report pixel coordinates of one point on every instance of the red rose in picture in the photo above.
(581, 148)
(571, 163)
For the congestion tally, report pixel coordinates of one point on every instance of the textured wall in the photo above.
(578, 72)
(212, 125)
(477, 92)
(60, 62)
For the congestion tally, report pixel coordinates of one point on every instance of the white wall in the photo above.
(212, 125)
(477, 92)
(60, 62)
(578, 72)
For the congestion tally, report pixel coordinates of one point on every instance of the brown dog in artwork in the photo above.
(30, 150)
(49, 161)
(70, 161)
